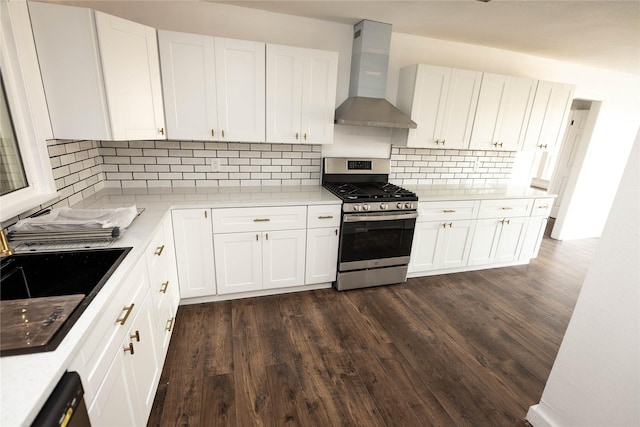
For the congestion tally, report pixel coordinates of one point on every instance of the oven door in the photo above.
(376, 240)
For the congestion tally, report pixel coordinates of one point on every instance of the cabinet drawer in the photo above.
(450, 210)
(319, 216)
(542, 207)
(97, 351)
(234, 220)
(505, 208)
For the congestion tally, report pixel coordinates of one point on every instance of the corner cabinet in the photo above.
(442, 101)
(214, 87)
(193, 234)
(113, 90)
(300, 95)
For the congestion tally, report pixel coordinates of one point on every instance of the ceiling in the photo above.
(598, 33)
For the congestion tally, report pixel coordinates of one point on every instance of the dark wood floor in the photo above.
(461, 349)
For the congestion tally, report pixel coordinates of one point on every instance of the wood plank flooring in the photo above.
(452, 350)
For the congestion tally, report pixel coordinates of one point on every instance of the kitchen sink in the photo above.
(43, 294)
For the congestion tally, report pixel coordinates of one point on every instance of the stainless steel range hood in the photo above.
(366, 105)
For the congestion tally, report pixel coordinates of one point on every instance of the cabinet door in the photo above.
(285, 66)
(189, 85)
(238, 262)
(193, 236)
(427, 108)
(460, 108)
(456, 244)
(533, 237)
(115, 403)
(548, 116)
(485, 241)
(319, 97)
(322, 255)
(131, 68)
(240, 82)
(511, 238)
(493, 94)
(283, 258)
(424, 250)
(516, 112)
(143, 358)
(75, 95)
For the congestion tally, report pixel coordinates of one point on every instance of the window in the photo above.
(12, 174)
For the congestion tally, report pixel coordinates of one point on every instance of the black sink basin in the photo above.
(56, 274)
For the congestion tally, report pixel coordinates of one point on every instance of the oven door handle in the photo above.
(380, 217)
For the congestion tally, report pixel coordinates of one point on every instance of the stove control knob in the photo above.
(365, 207)
(356, 207)
(400, 205)
(408, 205)
(383, 206)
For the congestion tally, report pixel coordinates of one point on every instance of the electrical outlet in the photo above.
(215, 165)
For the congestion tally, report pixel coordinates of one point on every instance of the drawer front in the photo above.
(450, 210)
(237, 220)
(542, 207)
(505, 208)
(320, 216)
(99, 347)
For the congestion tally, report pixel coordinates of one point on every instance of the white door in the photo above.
(284, 94)
(240, 82)
(460, 109)
(425, 247)
(238, 262)
(428, 107)
(322, 255)
(567, 157)
(131, 70)
(511, 238)
(193, 236)
(283, 258)
(189, 84)
(319, 97)
(456, 244)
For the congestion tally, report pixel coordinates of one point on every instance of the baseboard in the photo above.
(537, 417)
(251, 294)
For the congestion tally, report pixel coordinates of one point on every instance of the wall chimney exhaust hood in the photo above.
(366, 105)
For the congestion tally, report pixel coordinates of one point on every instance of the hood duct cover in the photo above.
(366, 105)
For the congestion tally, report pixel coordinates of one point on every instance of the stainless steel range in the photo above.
(377, 225)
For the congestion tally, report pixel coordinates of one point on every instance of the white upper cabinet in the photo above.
(548, 116)
(214, 87)
(503, 111)
(442, 101)
(100, 73)
(301, 89)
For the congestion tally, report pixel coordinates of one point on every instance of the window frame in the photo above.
(27, 103)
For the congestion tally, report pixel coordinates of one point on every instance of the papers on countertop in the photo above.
(60, 219)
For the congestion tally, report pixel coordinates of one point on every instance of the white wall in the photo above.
(618, 122)
(595, 379)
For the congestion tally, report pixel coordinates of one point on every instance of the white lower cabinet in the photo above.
(536, 227)
(497, 240)
(322, 255)
(259, 260)
(128, 389)
(193, 235)
(441, 245)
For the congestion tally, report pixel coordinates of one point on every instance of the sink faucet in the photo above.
(5, 249)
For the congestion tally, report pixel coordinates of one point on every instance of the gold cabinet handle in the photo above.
(449, 210)
(325, 216)
(266, 236)
(437, 141)
(543, 207)
(450, 224)
(161, 131)
(256, 237)
(136, 336)
(297, 136)
(128, 310)
(159, 250)
(506, 208)
(505, 221)
(261, 219)
(223, 133)
(336, 231)
(206, 215)
(164, 286)
(305, 136)
(169, 324)
(542, 146)
(129, 348)
(213, 132)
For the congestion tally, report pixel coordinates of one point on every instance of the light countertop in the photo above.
(463, 192)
